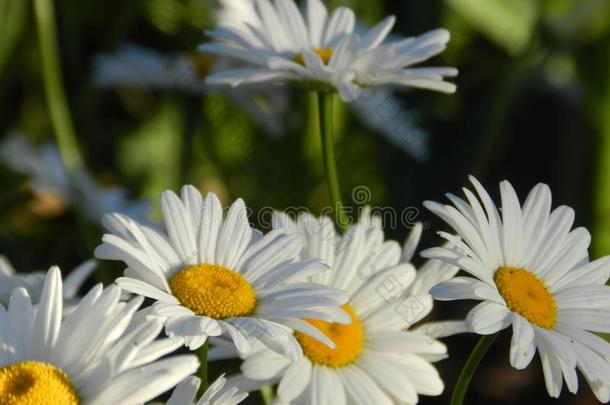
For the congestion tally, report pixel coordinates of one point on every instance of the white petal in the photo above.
(488, 317)
(48, 315)
(360, 389)
(295, 380)
(522, 346)
(341, 22)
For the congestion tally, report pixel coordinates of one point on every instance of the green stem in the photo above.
(325, 116)
(267, 394)
(54, 86)
(469, 368)
(202, 354)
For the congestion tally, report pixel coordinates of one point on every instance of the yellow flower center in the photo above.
(527, 295)
(324, 53)
(47, 204)
(202, 64)
(214, 291)
(35, 383)
(348, 339)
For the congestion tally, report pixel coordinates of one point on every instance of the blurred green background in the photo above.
(533, 105)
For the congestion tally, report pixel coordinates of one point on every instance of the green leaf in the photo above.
(508, 23)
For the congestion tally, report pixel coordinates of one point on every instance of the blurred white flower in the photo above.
(33, 282)
(134, 66)
(326, 52)
(52, 188)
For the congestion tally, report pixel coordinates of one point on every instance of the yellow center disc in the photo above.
(325, 54)
(527, 295)
(202, 64)
(348, 339)
(214, 291)
(35, 383)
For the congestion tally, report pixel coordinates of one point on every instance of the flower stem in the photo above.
(267, 394)
(202, 354)
(469, 368)
(325, 116)
(54, 86)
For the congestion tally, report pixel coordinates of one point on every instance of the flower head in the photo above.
(282, 44)
(212, 275)
(380, 358)
(531, 271)
(94, 356)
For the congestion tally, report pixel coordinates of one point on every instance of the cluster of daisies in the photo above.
(326, 316)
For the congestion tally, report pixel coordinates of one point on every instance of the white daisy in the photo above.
(285, 45)
(377, 359)
(34, 281)
(377, 108)
(211, 276)
(532, 272)
(219, 393)
(89, 357)
(51, 184)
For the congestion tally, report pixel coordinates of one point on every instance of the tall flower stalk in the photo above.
(54, 85)
(459, 392)
(202, 354)
(325, 117)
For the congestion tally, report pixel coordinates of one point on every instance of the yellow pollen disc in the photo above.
(214, 291)
(35, 383)
(47, 204)
(527, 295)
(202, 63)
(324, 53)
(349, 340)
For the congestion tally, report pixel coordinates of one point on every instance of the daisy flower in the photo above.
(379, 358)
(211, 276)
(91, 357)
(34, 281)
(531, 271)
(51, 185)
(219, 393)
(324, 51)
(133, 66)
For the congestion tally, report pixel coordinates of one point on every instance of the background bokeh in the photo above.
(533, 105)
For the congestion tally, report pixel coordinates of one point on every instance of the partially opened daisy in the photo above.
(379, 359)
(34, 281)
(212, 275)
(219, 393)
(93, 356)
(531, 271)
(283, 44)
